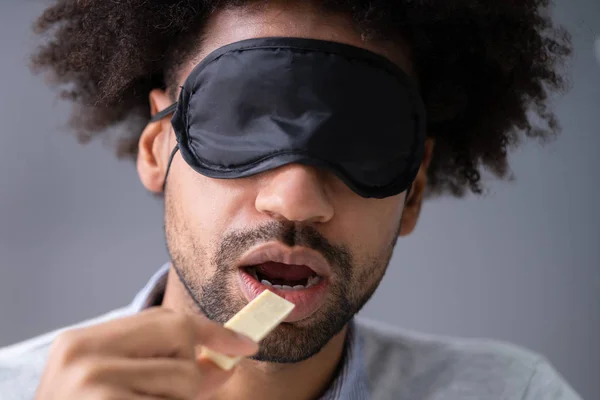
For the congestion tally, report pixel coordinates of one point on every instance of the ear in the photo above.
(412, 207)
(154, 146)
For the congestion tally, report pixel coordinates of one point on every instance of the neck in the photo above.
(305, 380)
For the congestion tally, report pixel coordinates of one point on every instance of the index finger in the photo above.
(219, 338)
(158, 332)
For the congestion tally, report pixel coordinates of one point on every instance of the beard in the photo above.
(217, 297)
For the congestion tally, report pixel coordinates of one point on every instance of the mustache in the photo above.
(234, 244)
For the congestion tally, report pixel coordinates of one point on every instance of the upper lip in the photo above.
(275, 252)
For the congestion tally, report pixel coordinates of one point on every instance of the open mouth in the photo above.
(299, 275)
(284, 276)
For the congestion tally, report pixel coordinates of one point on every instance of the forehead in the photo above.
(233, 24)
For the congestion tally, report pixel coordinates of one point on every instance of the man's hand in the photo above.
(151, 355)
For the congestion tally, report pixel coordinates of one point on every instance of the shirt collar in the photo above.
(349, 384)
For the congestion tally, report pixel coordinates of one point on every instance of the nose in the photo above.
(296, 193)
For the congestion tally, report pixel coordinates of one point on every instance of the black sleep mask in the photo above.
(259, 104)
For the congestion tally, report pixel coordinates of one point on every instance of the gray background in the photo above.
(79, 236)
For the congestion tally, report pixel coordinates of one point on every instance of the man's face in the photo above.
(292, 211)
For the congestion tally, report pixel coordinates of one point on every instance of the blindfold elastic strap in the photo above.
(161, 114)
(157, 117)
(407, 194)
(169, 166)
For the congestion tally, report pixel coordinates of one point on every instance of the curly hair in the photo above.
(485, 68)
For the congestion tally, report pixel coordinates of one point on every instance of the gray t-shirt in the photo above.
(383, 363)
(406, 365)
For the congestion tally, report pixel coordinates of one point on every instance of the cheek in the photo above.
(370, 224)
(373, 225)
(212, 206)
(362, 221)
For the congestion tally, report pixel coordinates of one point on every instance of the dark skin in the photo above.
(200, 210)
(293, 193)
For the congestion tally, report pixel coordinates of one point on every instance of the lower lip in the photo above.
(307, 301)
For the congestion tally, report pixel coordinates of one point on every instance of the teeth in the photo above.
(313, 280)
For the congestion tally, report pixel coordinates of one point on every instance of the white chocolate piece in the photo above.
(256, 320)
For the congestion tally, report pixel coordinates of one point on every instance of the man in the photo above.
(293, 142)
